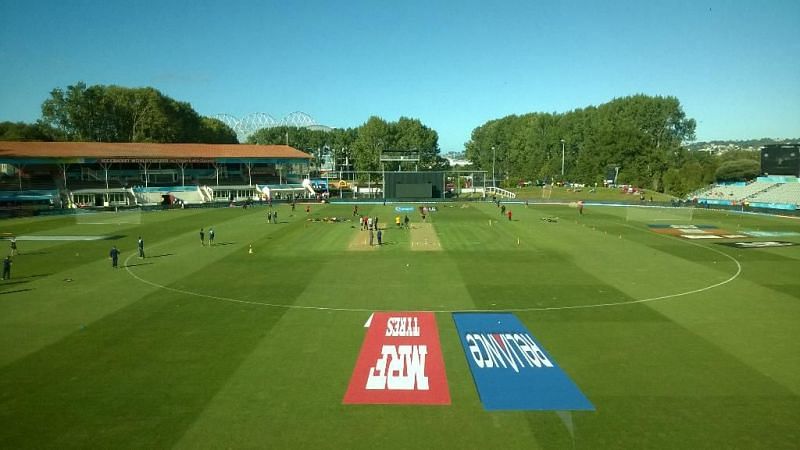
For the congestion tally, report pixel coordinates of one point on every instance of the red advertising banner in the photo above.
(400, 362)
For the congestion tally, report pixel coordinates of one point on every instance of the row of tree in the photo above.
(642, 139)
(640, 135)
(21, 131)
(362, 146)
(118, 114)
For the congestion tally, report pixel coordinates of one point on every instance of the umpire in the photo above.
(7, 268)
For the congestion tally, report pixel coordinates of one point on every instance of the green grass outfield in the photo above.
(698, 346)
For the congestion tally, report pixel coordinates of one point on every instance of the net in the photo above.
(132, 217)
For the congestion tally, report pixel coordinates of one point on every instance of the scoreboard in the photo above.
(780, 160)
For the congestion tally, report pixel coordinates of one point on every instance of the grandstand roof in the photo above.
(14, 151)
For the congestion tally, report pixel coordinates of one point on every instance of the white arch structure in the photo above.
(249, 124)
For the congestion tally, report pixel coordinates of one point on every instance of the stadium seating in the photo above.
(756, 192)
(734, 193)
(788, 193)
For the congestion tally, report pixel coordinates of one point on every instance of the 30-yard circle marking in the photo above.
(543, 308)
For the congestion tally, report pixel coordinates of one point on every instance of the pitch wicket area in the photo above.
(424, 238)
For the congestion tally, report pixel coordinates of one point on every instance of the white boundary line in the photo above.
(233, 300)
(47, 237)
(548, 308)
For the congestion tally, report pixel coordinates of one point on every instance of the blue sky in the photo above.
(734, 65)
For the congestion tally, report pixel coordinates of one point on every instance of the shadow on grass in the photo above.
(135, 329)
(38, 275)
(160, 256)
(223, 243)
(13, 281)
(15, 291)
(139, 264)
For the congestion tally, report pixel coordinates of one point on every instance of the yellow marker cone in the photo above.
(250, 251)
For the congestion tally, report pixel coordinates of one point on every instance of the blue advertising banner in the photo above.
(404, 208)
(712, 201)
(510, 369)
(786, 206)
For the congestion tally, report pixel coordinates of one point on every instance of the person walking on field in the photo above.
(7, 268)
(509, 215)
(202, 237)
(210, 236)
(140, 246)
(114, 255)
(14, 246)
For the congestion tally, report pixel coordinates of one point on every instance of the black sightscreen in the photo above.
(414, 185)
(414, 190)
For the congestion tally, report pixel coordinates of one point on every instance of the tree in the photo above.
(411, 135)
(373, 137)
(215, 131)
(118, 114)
(738, 170)
(360, 148)
(62, 110)
(20, 131)
(304, 139)
(641, 134)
